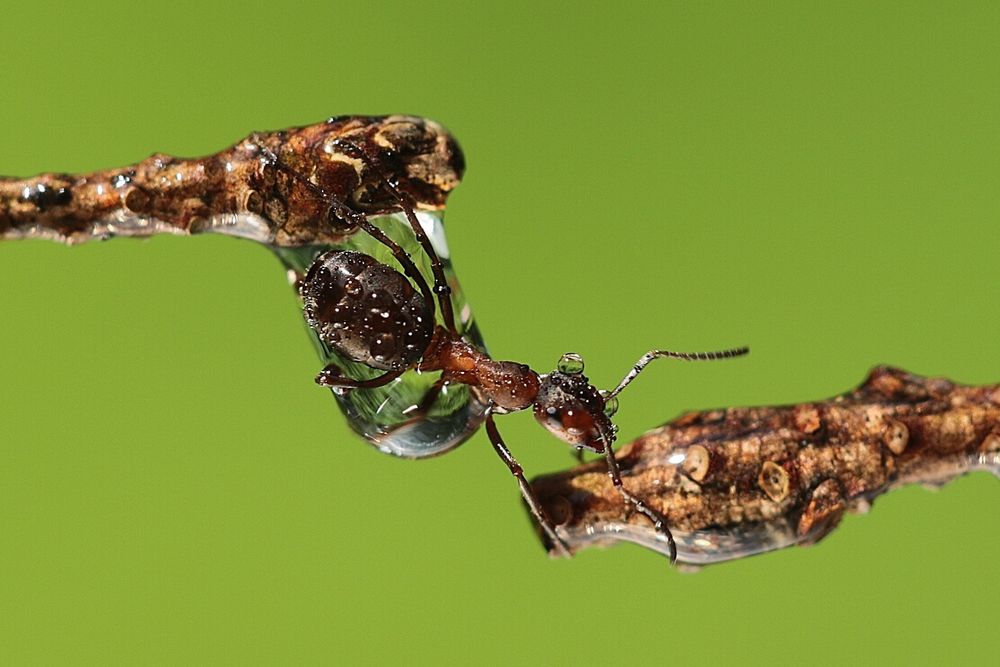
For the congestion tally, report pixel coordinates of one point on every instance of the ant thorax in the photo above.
(506, 386)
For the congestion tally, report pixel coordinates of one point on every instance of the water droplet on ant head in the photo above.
(570, 363)
(610, 406)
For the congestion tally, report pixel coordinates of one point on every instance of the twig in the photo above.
(742, 481)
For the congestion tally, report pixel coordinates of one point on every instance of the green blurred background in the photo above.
(817, 181)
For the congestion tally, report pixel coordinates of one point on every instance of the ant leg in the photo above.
(332, 377)
(421, 410)
(657, 518)
(685, 356)
(346, 213)
(441, 287)
(529, 496)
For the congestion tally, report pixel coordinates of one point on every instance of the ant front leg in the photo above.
(333, 377)
(657, 518)
(529, 496)
(347, 214)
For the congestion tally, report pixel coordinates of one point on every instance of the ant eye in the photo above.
(577, 423)
(571, 423)
(570, 364)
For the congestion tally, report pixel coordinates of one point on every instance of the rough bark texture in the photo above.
(741, 481)
(236, 192)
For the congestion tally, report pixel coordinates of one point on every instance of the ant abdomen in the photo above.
(365, 310)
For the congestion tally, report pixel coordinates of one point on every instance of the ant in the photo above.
(372, 314)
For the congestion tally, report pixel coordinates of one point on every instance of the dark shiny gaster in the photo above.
(366, 310)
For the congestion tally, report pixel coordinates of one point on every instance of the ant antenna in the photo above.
(684, 356)
(441, 287)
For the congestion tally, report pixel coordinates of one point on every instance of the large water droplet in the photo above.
(385, 415)
(610, 405)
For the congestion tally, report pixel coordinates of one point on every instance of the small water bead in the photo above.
(384, 347)
(338, 223)
(353, 287)
(379, 302)
(340, 316)
(570, 364)
(610, 405)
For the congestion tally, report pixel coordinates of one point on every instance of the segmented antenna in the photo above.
(683, 356)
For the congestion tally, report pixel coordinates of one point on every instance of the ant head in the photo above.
(572, 408)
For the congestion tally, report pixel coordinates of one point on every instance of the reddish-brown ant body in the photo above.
(372, 314)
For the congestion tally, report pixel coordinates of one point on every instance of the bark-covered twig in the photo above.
(742, 481)
(238, 191)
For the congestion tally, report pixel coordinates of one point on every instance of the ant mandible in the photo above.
(371, 314)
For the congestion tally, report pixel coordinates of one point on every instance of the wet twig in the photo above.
(742, 481)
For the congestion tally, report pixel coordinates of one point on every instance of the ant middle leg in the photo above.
(529, 496)
(657, 518)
